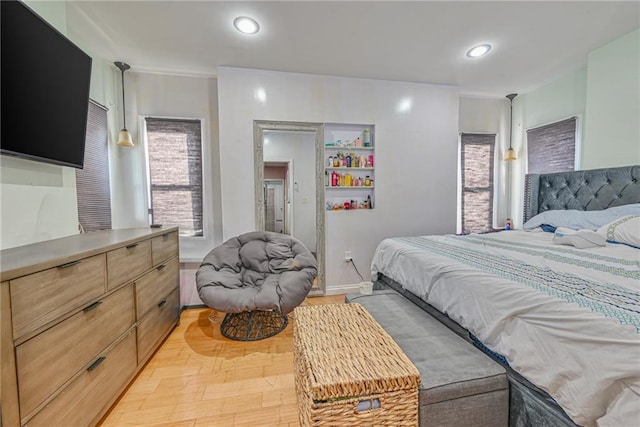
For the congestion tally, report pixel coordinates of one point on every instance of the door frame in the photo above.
(259, 127)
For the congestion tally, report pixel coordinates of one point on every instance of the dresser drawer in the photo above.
(83, 401)
(128, 262)
(41, 297)
(164, 247)
(49, 359)
(157, 323)
(155, 285)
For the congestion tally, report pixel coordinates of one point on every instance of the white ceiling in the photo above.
(533, 42)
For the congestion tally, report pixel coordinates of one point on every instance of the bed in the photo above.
(564, 321)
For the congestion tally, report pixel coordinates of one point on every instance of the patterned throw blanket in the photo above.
(612, 300)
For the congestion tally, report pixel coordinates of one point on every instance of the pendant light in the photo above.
(124, 137)
(511, 153)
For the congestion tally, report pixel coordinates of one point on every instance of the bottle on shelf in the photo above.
(367, 137)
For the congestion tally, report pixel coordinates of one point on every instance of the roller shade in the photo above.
(552, 148)
(92, 182)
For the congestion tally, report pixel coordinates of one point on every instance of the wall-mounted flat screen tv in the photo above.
(45, 89)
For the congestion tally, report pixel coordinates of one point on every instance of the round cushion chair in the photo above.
(256, 278)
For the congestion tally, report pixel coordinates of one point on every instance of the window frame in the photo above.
(578, 140)
(205, 164)
(493, 176)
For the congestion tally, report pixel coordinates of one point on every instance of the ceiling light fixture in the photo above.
(246, 25)
(478, 51)
(124, 137)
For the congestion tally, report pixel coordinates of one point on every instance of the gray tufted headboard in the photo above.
(588, 190)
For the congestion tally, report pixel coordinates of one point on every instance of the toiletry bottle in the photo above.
(367, 181)
(330, 161)
(367, 138)
(348, 160)
(369, 201)
(326, 178)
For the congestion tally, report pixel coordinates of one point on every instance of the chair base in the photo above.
(253, 325)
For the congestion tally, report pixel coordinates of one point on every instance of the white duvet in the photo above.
(567, 319)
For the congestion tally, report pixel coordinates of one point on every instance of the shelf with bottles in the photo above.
(344, 168)
(353, 179)
(349, 160)
(349, 166)
(349, 204)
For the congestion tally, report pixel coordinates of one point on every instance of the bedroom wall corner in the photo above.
(612, 136)
(491, 115)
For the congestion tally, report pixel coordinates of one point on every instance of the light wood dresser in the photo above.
(80, 317)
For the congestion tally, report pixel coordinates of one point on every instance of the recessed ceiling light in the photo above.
(479, 50)
(246, 25)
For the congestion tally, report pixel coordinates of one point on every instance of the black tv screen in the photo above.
(45, 89)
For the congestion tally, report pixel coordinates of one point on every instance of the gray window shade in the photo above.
(552, 148)
(92, 182)
(175, 173)
(476, 166)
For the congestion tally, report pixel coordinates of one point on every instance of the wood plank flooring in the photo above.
(200, 378)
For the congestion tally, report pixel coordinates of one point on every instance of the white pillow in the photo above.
(581, 220)
(623, 230)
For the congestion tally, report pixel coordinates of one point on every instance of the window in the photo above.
(476, 174)
(174, 154)
(552, 148)
(92, 182)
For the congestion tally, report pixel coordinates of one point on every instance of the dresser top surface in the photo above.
(23, 260)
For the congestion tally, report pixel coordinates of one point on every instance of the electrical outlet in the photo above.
(347, 256)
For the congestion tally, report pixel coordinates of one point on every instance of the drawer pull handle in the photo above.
(69, 264)
(132, 246)
(161, 267)
(162, 303)
(95, 364)
(92, 306)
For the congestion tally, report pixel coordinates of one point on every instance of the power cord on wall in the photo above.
(354, 266)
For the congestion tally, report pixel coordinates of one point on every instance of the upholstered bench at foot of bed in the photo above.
(461, 386)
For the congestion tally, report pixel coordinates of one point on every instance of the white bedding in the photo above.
(567, 319)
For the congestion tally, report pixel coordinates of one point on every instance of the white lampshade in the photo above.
(124, 138)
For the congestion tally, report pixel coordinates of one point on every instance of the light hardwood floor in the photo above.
(200, 378)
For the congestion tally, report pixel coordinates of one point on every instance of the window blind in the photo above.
(476, 166)
(174, 149)
(92, 182)
(552, 148)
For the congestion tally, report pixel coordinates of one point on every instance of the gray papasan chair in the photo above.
(256, 278)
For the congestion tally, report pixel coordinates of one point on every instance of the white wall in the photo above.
(160, 95)
(38, 200)
(416, 152)
(612, 136)
(300, 148)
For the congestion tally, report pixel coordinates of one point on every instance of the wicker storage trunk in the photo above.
(349, 371)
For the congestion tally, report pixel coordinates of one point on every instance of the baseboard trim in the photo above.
(343, 289)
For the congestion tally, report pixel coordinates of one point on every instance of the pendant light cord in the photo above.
(124, 113)
(510, 97)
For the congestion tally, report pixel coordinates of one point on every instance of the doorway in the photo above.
(277, 198)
